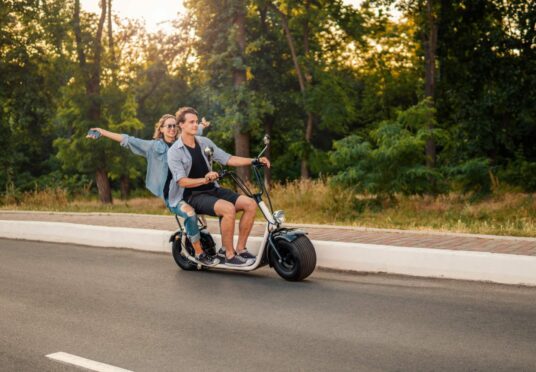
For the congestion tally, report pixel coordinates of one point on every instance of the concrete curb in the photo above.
(299, 225)
(424, 262)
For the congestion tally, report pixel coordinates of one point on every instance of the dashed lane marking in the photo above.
(84, 363)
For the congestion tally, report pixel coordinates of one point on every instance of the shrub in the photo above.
(520, 173)
(473, 176)
(393, 159)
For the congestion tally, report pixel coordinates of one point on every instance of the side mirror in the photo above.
(209, 153)
(266, 139)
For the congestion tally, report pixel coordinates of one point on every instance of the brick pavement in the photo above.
(400, 238)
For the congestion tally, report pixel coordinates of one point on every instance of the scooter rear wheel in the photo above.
(180, 260)
(298, 259)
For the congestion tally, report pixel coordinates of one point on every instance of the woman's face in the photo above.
(169, 130)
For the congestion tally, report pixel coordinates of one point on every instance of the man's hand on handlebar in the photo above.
(262, 161)
(211, 177)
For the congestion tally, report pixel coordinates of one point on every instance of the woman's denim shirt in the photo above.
(155, 151)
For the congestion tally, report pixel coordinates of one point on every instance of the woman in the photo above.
(158, 175)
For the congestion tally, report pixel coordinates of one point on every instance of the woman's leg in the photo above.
(184, 210)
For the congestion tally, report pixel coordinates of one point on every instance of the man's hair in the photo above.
(157, 134)
(181, 114)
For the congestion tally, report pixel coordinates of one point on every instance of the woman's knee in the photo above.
(187, 209)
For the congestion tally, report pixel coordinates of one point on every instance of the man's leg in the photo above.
(227, 212)
(249, 206)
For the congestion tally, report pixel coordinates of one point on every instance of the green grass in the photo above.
(503, 213)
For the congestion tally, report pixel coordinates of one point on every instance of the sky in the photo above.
(156, 13)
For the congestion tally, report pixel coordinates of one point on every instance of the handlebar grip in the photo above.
(256, 162)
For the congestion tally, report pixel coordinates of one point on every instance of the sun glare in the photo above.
(157, 14)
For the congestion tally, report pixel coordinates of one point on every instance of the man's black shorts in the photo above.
(203, 201)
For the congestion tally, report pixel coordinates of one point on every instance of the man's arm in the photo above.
(186, 182)
(238, 161)
(179, 173)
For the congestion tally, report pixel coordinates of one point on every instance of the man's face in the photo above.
(190, 124)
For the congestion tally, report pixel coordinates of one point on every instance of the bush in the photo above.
(393, 160)
(520, 173)
(473, 176)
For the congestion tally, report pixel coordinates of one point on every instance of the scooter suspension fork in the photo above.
(272, 244)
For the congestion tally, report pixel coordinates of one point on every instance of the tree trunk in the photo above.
(78, 38)
(111, 42)
(103, 185)
(239, 81)
(430, 46)
(305, 159)
(92, 82)
(304, 80)
(124, 186)
(268, 125)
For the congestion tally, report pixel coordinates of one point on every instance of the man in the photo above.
(195, 182)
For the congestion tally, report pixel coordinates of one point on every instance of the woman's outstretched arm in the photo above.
(106, 133)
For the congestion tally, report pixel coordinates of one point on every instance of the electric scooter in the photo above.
(289, 251)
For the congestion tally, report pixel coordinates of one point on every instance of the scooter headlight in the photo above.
(279, 216)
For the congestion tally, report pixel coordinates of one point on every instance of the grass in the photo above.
(503, 213)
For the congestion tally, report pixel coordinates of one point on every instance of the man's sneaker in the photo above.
(246, 255)
(221, 255)
(237, 261)
(207, 260)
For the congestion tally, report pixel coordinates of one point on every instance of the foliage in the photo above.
(364, 78)
(473, 176)
(392, 159)
(520, 172)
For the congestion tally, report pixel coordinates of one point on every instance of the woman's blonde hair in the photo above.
(157, 134)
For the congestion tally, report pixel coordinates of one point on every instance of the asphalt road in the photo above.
(137, 310)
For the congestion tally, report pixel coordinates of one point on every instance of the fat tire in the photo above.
(180, 260)
(302, 253)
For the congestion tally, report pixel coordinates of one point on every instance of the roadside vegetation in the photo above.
(502, 212)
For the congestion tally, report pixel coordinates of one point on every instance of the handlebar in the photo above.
(256, 162)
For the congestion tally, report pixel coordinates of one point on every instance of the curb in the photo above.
(297, 225)
(423, 262)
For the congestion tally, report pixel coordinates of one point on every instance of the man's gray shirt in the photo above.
(180, 164)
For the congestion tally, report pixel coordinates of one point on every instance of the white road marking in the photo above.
(84, 363)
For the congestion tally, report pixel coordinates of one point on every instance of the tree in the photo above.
(91, 75)
(321, 25)
(34, 45)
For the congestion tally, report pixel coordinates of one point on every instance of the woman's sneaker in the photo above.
(246, 255)
(237, 261)
(206, 260)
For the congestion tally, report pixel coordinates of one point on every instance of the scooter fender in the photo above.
(286, 234)
(174, 236)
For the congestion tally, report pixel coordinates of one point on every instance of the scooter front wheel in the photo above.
(180, 260)
(298, 258)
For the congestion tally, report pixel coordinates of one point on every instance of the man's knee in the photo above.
(224, 208)
(247, 204)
